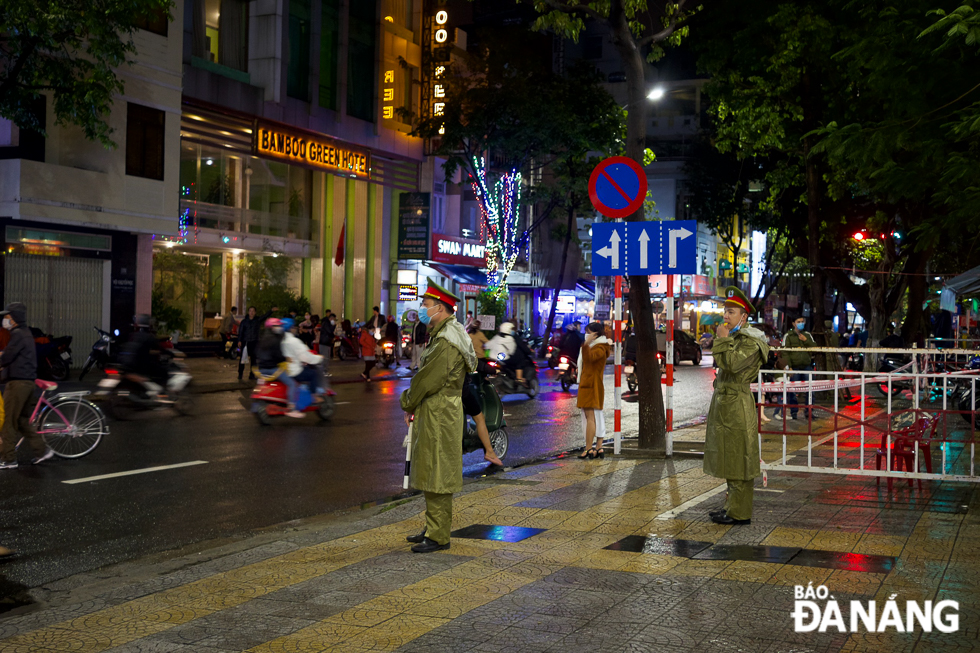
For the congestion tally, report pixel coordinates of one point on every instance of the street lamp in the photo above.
(657, 93)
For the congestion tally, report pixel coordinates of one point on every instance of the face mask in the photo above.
(735, 329)
(424, 316)
(800, 326)
(8, 324)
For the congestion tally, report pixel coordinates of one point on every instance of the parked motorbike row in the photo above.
(53, 355)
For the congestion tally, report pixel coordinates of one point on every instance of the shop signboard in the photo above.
(471, 288)
(310, 149)
(413, 226)
(408, 293)
(487, 322)
(458, 251)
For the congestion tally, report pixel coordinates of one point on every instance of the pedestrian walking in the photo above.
(19, 363)
(248, 339)
(227, 330)
(434, 398)
(368, 349)
(419, 335)
(731, 444)
(592, 358)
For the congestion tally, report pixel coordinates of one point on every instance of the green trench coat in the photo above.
(435, 397)
(731, 443)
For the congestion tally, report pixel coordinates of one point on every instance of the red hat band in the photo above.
(441, 296)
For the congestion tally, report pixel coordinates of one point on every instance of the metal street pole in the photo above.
(618, 363)
(670, 365)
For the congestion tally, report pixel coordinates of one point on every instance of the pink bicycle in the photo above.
(70, 424)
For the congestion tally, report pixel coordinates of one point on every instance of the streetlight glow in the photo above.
(656, 94)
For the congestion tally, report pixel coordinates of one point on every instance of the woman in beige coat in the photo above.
(591, 393)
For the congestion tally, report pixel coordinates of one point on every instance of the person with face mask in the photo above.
(731, 443)
(19, 364)
(435, 399)
(797, 338)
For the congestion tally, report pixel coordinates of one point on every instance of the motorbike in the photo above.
(552, 357)
(890, 363)
(269, 399)
(706, 340)
(53, 355)
(128, 393)
(632, 378)
(406, 345)
(854, 362)
(101, 353)
(385, 354)
(493, 413)
(567, 372)
(505, 381)
(345, 348)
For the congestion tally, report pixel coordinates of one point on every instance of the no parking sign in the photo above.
(617, 187)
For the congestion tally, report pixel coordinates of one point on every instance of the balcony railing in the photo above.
(257, 223)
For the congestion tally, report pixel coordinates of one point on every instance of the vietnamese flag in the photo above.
(338, 259)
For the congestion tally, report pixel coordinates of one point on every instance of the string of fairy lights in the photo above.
(500, 212)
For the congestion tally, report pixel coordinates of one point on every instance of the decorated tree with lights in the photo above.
(507, 116)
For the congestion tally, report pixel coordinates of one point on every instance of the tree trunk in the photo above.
(561, 276)
(652, 421)
(914, 328)
(813, 203)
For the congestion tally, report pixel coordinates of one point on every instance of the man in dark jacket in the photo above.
(19, 361)
(571, 342)
(248, 339)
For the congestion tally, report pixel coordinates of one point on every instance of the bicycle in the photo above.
(72, 426)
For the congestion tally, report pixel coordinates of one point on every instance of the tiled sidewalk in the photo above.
(612, 561)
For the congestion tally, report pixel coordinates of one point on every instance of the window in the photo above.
(361, 78)
(156, 21)
(298, 70)
(32, 140)
(592, 47)
(145, 128)
(329, 52)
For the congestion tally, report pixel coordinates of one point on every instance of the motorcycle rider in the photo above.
(269, 356)
(571, 342)
(19, 362)
(141, 356)
(516, 353)
(304, 366)
(392, 334)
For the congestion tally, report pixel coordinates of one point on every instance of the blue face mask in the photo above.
(800, 326)
(424, 316)
(735, 329)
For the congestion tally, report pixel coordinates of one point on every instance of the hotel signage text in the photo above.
(309, 150)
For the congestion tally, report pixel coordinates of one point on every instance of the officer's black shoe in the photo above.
(428, 546)
(416, 539)
(727, 520)
(716, 513)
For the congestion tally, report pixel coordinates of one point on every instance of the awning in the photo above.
(462, 274)
(966, 283)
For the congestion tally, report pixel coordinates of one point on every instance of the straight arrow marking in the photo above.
(644, 248)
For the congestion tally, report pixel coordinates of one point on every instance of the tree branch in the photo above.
(675, 23)
(11, 78)
(571, 9)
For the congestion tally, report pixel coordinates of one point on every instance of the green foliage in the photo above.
(71, 50)
(266, 284)
(179, 277)
(489, 303)
(166, 316)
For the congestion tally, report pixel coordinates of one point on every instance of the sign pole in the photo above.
(670, 365)
(618, 363)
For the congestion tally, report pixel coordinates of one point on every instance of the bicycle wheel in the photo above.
(72, 427)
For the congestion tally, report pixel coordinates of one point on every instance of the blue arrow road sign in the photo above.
(608, 249)
(644, 248)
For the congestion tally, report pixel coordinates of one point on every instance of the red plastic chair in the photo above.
(904, 441)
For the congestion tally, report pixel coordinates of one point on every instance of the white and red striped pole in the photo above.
(618, 363)
(670, 365)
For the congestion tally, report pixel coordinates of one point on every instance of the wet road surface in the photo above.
(249, 477)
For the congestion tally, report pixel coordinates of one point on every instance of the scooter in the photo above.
(345, 348)
(633, 379)
(129, 393)
(493, 413)
(890, 363)
(567, 372)
(101, 353)
(386, 353)
(270, 399)
(53, 355)
(506, 380)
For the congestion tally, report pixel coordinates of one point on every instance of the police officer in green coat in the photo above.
(731, 444)
(435, 399)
